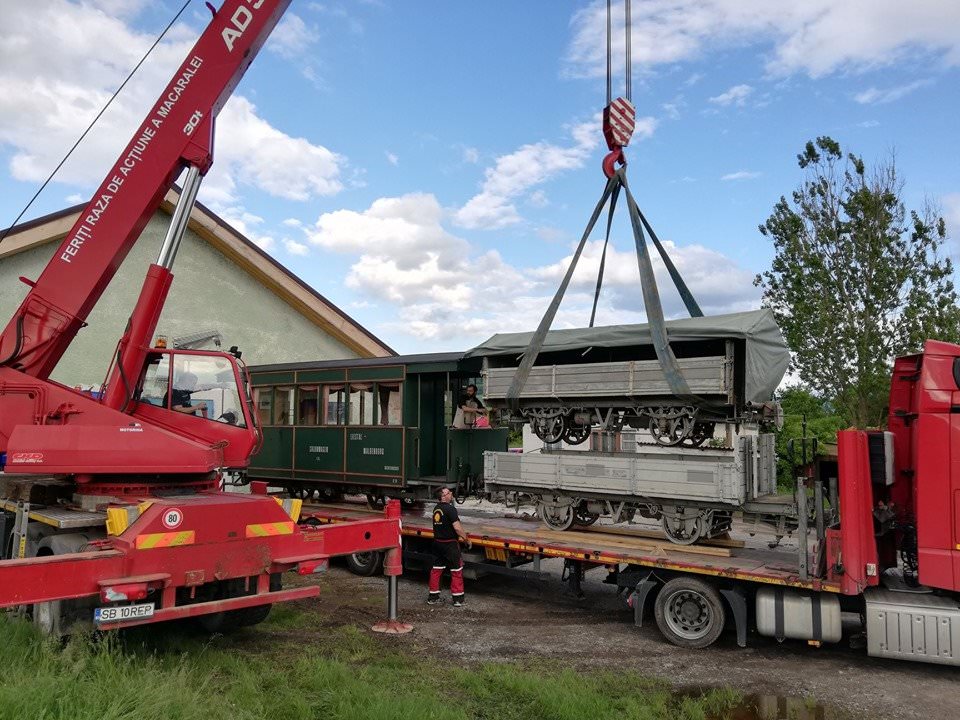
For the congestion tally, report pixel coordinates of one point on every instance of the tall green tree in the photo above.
(856, 280)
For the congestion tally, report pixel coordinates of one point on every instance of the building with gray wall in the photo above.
(222, 282)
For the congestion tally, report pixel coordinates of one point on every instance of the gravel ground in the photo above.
(511, 619)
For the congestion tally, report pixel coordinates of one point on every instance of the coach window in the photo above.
(307, 405)
(390, 411)
(361, 404)
(263, 399)
(334, 404)
(283, 406)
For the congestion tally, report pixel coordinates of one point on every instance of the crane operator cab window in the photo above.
(202, 386)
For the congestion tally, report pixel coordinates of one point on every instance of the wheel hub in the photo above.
(688, 615)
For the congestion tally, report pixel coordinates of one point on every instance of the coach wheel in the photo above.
(670, 431)
(577, 434)
(300, 492)
(689, 613)
(365, 564)
(376, 502)
(683, 528)
(558, 516)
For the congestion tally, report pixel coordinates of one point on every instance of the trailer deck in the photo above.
(734, 557)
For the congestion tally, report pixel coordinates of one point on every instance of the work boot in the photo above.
(434, 599)
(458, 601)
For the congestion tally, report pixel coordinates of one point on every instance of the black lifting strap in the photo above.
(536, 342)
(692, 307)
(651, 297)
(603, 256)
(651, 301)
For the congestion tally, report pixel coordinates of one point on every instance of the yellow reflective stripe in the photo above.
(171, 539)
(291, 506)
(268, 529)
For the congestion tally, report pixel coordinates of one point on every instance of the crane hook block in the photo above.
(619, 121)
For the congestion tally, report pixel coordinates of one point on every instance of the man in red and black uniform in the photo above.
(447, 534)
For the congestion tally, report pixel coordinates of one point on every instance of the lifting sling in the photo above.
(618, 125)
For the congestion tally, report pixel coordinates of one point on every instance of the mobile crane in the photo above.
(112, 508)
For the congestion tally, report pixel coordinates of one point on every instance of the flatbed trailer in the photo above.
(638, 559)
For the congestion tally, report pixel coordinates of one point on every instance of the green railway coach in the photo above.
(375, 426)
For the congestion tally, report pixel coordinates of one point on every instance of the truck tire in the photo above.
(365, 564)
(58, 619)
(689, 612)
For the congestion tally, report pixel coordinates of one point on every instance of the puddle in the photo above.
(776, 707)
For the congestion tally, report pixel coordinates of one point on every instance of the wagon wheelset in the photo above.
(556, 515)
(671, 431)
(583, 517)
(683, 528)
(576, 434)
(549, 428)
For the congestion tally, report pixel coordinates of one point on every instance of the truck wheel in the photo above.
(689, 613)
(59, 618)
(365, 564)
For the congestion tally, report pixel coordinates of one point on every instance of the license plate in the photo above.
(121, 613)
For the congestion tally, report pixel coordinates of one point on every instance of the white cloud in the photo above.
(816, 37)
(75, 198)
(874, 96)
(741, 175)
(471, 155)
(408, 259)
(295, 248)
(259, 155)
(444, 291)
(539, 199)
(392, 159)
(247, 224)
(59, 63)
(716, 281)
(737, 95)
(527, 167)
(292, 37)
(868, 124)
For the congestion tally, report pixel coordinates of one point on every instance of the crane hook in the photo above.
(611, 159)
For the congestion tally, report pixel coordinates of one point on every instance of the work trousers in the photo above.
(446, 556)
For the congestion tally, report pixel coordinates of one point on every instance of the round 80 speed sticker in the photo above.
(172, 518)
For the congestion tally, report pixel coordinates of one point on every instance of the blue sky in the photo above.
(429, 166)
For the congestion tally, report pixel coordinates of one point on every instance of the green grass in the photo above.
(276, 674)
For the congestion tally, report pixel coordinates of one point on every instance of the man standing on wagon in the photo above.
(447, 534)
